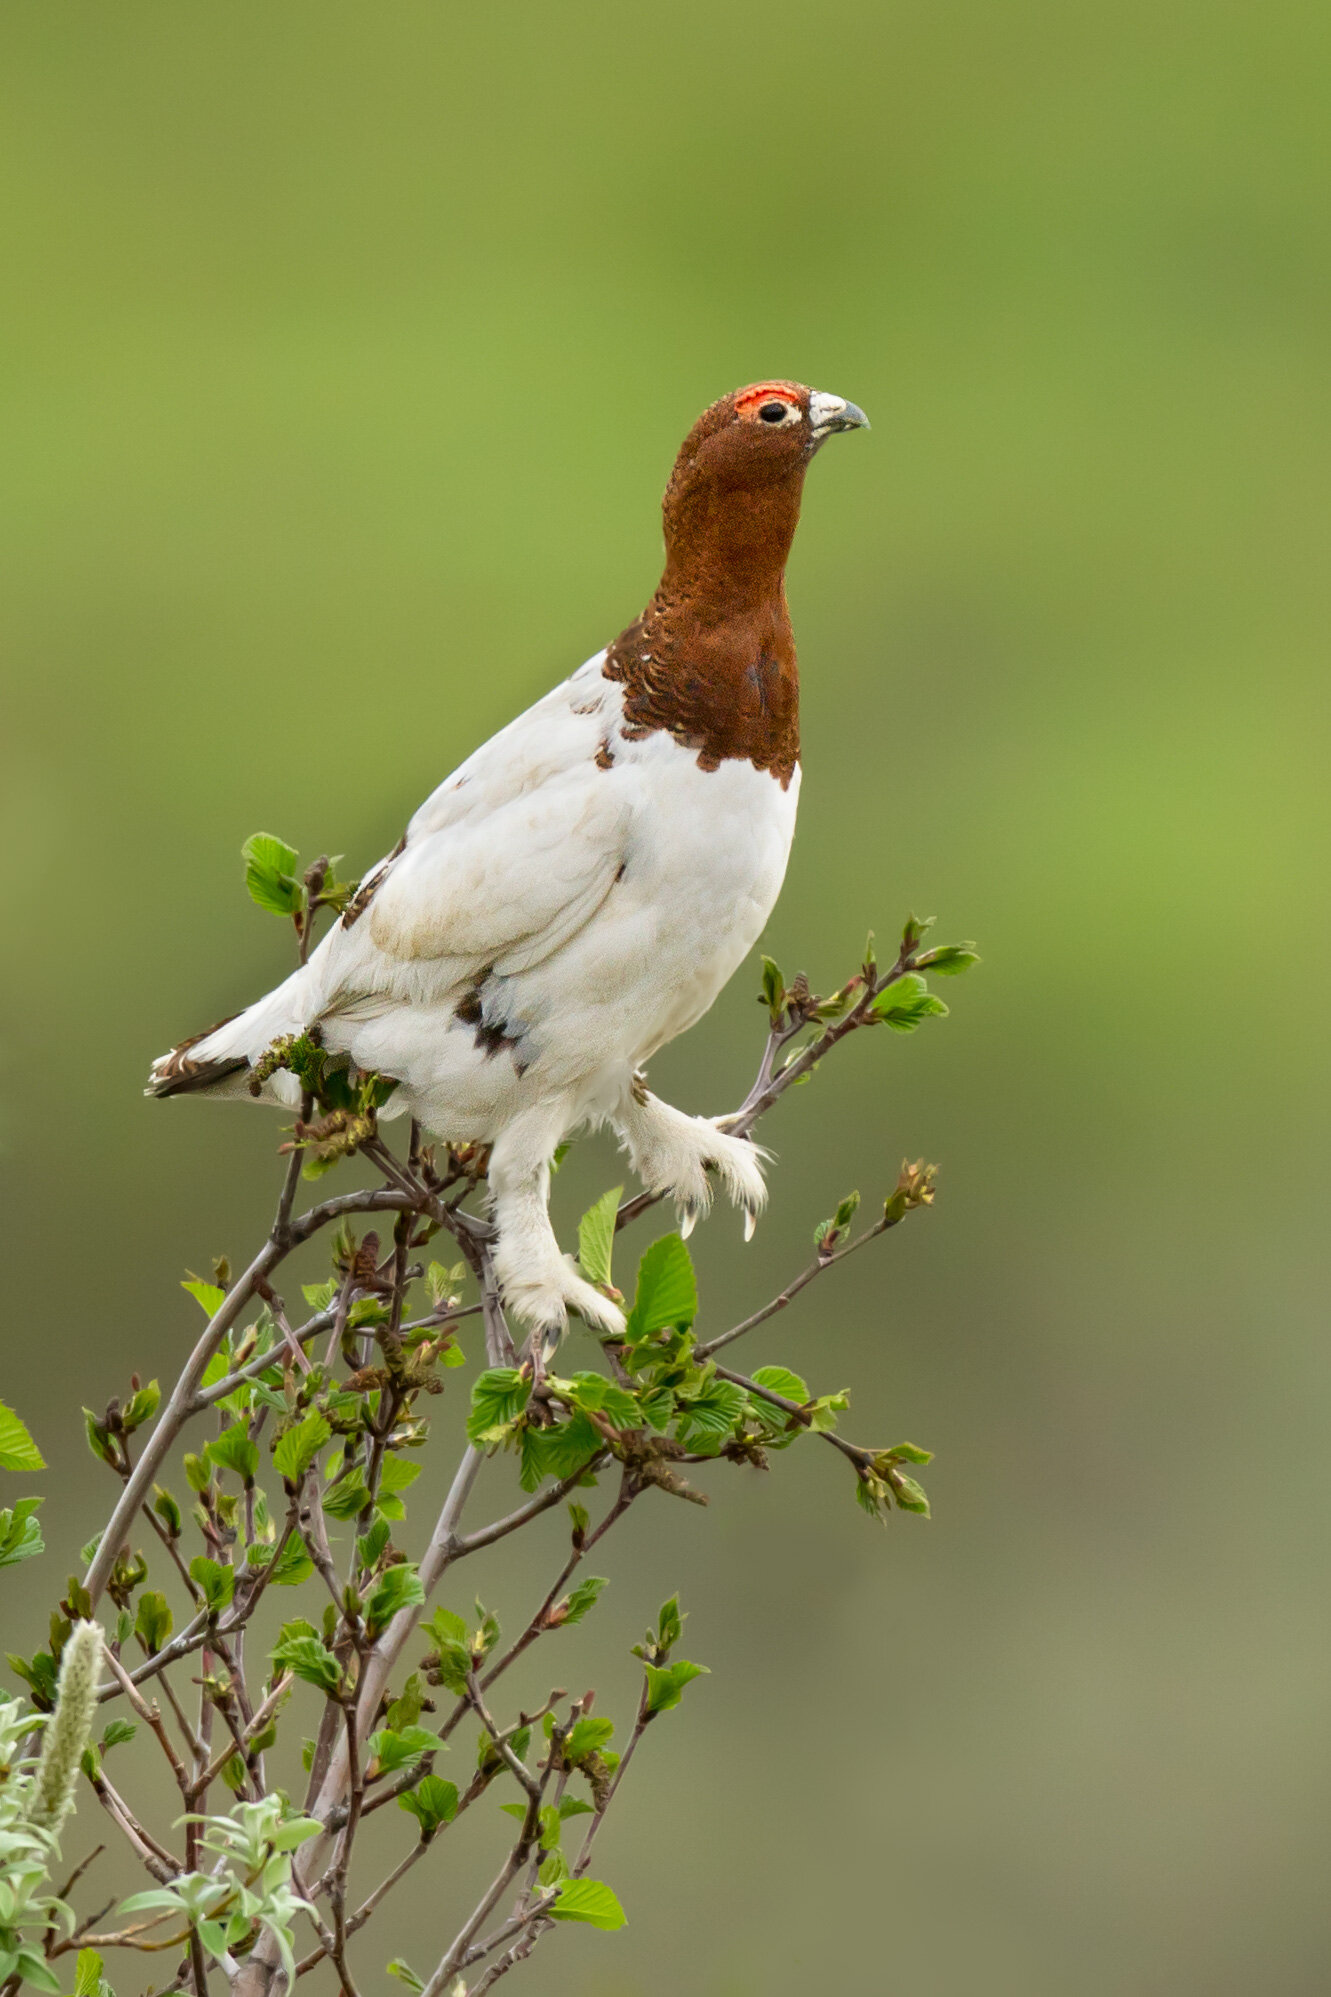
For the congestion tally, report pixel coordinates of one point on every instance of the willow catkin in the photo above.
(67, 1733)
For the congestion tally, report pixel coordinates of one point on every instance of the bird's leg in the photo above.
(672, 1154)
(539, 1284)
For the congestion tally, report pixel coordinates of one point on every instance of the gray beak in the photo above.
(832, 412)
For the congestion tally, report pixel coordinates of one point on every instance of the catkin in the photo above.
(67, 1733)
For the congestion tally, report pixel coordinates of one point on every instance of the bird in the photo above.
(579, 890)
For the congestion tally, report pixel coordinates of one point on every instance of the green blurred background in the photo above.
(346, 353)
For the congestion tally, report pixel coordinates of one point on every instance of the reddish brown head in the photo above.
(712, 658)
(733, 500)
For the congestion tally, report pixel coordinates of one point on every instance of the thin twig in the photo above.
(151, 1717)
(255, 1727)
(792, 1290)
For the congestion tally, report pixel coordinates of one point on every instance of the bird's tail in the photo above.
(217, 1061)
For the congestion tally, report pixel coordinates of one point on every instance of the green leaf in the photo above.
(904, 1004)
(348, 1498)
(18, 1451)
(117, 1732)
(152, 1623)
(217, 1584)
(20, 1534)
(596, 1237)
(88, 1973)
(666, 1682)
(587, 1736)
(773, 994)
(447, 1628)
(270, 874)
(211, 1933)
(309, 1659)
(404, 1971)
(294, 1831)
(498, 1397)
(155, 1898)
(405, 1712)
(397, 1588)
(233, 1450)
(392, 1750)
(397, 1474)
(36, 1971)
(167, 1510)
(432, 1802)
(294, 1452)
(198, 1472)
(442, 1283)
(38, 1673)
(780, 1380)
(558, 1451)
(371, 1543)
(821, 1414)
(949, 959)
(582, 1600)
(595, 1394)
(142, 1405)
(587, 1900)
(99, 1438)
(909, 1496)
(211, 1298)
(670, 1625)
(293, 1564)
(667, 1292)
(708, 1418)
(908, 1452)
(319, 1296)
(828, 1231)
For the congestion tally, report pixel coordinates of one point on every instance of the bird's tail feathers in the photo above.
(217, 1061)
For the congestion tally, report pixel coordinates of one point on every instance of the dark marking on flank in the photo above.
(605, 756)
(370, 886)
(492, 1037)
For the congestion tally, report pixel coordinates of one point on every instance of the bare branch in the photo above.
(817, 1267)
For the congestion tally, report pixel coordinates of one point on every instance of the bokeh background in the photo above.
(346, 353)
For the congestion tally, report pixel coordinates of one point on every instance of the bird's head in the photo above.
(762, 435)
(735, 491)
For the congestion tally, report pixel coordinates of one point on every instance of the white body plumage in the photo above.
(566, 902)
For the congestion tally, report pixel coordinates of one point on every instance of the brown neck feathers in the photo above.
(712, 658)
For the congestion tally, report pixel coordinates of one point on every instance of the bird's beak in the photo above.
(832, 412)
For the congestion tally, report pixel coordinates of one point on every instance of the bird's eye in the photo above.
(774, 412)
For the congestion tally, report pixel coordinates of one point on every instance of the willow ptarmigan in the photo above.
(580, 889)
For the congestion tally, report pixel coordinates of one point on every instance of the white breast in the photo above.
(704, 859)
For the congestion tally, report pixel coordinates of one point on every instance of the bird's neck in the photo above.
(727, 549)
(712, 658)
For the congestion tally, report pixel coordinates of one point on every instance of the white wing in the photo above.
(509, 858)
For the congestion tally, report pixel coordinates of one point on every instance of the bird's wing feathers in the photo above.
(506, 888)
(507, 860)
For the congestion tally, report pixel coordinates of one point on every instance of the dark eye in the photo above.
(773, 412)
